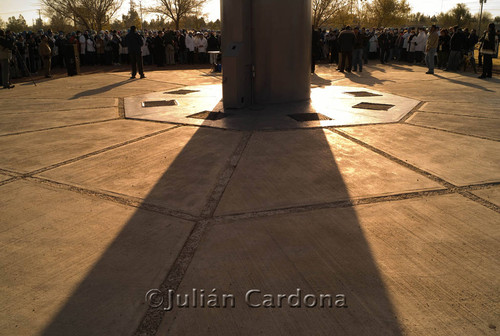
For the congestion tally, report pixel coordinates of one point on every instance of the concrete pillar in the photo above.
(236, 52)
(266, 47)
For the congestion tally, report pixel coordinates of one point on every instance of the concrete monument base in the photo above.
(328, 106)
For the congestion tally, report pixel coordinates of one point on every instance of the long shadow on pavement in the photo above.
(102, 89)
(320, 252)
(459, 82)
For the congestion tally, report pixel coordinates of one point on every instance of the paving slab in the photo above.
(459, 159)
(419, 86)
(470, 109)
(491, 194)
(481, 127)
(15, 123)
(414, 267)
(31, 151)
(285, 169)
(80, 264)
(88, 86)
(177, 170)
(16, 105)
(183, 77)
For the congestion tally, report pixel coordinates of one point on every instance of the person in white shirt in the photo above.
(200, 43)
(145, 50)
(404, 51)
(83, 44)
(420, 41)
(91, 51)
(190, 47)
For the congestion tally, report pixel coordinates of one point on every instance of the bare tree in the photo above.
(92, 14)
(177, 10)
(324, 10)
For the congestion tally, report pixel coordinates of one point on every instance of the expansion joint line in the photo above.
(412, 112)
(152, 319)
(9, 180)
(121, 108)
(59, 127)
(479, 200)
(451, 187)
(103, 150)
(124, 200)
(452, 132)
(15, 176)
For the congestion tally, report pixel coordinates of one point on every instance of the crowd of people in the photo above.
(451, 49)
(27, 53)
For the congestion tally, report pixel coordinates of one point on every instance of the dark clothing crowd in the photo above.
(27, 52)
(449, 49)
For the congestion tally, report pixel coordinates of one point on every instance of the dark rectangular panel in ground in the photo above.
(363, 94)
(182, 92)
(159, 103)
(301, 117)
(208, 115)
(373, 106)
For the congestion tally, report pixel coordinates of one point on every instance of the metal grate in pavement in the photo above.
(182, 92)
(302, 117)
(373, 106)
(362, 94)
(208, 115)
(158, 103)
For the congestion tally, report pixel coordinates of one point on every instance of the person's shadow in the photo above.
(99, 90)
(467, 84)
(319, 81)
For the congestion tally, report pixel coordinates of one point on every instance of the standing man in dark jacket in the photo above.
(213, 46)
(357, 54)
(181, 44)
(384, 45)
(443, 48)
(458, 42)
(134, 43)
(489, 48)
(346, 44)
(159, 49)
(315, 48)
(6, 47)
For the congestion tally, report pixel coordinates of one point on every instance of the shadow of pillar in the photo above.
(319, 251)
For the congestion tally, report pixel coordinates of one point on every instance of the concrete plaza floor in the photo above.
(402, 219)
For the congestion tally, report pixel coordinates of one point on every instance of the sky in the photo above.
(29, 8)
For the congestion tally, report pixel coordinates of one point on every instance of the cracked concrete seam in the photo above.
(153, 317)
(435, 178)
(452, 132)
(59, 127)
